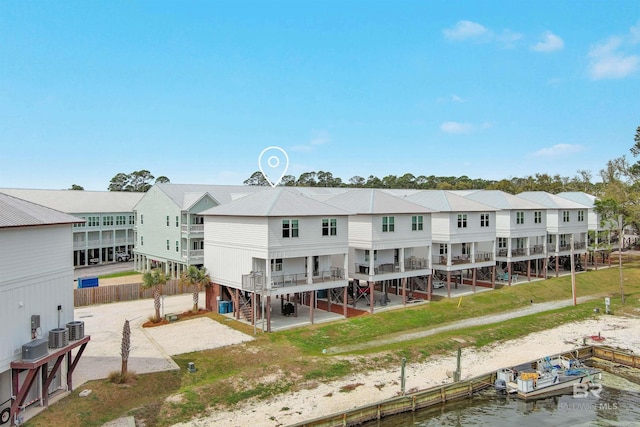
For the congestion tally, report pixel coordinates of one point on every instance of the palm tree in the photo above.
(195, 277)
(155, 279)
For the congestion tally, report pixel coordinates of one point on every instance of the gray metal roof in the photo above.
(579, 197)
(275, 202)
(183, 194)
(373, 201)
(501, 200)
(15, 212)
(78, 202)
(550, 200)
(446, 201)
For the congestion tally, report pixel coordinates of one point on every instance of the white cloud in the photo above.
(508, 38)
(318, 138)
(456, 127)
(465, 30)
(456, 98)
(610, 59)
(558, 150)
(550, 43)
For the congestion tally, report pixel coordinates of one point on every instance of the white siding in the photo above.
(36, 288)
(156, 206)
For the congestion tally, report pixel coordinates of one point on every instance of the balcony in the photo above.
(281, 280)
(192, 228)
(537, 249)
(193, 254)
(464, 259)
(518, 252)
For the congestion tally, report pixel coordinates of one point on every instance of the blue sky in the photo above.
(195, 90)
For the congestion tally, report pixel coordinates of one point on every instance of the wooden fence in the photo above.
(126, 292)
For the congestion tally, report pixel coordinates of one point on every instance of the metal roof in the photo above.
(78, 202)
(183, 194)
(374, 201)
(275, 202)
(446, 201)
(550, 200)
(579, 197)
(15, 212)
(501, 200)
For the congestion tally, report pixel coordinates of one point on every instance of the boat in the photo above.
(547, 376)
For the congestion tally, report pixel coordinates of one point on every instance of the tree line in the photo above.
(538, 182)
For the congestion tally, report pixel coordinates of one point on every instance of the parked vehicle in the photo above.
(94, 260)
(122, 256)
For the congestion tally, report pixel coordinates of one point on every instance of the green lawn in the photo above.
(229, 375)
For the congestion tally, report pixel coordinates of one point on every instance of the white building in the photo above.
(389, 240)
(566, 227)
(35, 298)
(274, 243)
(109, 225)
(521, 234)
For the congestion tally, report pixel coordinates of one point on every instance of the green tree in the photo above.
(195, 278)
(76, 187)
(257, 178)
(307, 179)
(357, 181)
(155, 279)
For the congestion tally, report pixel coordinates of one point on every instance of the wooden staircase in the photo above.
(245, 308)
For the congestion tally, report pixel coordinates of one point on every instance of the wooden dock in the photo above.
(450, 392)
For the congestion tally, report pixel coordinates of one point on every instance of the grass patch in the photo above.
(119, 274)
(291, 360)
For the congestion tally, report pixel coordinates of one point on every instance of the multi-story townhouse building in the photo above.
(567, 228)
(169, 225)
(109, 220)
(521, 234)
(463, 235)
(33, 301)
(275, 243)
(599, 242)
(389, 241)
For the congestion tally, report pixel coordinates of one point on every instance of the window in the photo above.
(537, 217)
(388, 224)
(443, 249)
(289, 228)
(141, 218)
(177, 246)
(107, 220)
(167, 220)
(93, 221)
(329, 227)
(520, 217)
(121, 220)
(197, 220)
(563, 240)
(466, 250)
(276, 264)
(565, 216)
(484, 220)
(520, 242)
(502, 243)
(167, 245)
(367, 255)
(462, 220)
(550, 241)
(132, 220)
(141, 240)
(416, 223)
(80, 224)
(580, 216)
(177, 221)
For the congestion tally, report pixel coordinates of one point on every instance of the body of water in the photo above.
(618, 404)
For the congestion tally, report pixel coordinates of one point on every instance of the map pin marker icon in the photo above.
(273, 162)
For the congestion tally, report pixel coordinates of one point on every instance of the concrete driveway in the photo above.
(151, 348)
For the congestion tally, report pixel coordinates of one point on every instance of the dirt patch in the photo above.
(122, 280)
(182, 316)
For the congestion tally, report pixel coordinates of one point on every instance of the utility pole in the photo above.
(620, 240)
(573, 275)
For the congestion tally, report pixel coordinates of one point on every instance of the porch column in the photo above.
(474, 279)
(493, 277)
(557, 265)
(312, 303)
(404, 291)
(309, 271)
(371, 286)
(237, 303)
(449, 283)
(401, 260)
(344, 302)
(269, 313)
(509, 273)
(429, 286)
(528, 270)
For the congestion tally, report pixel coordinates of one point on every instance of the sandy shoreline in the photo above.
(326, 398)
